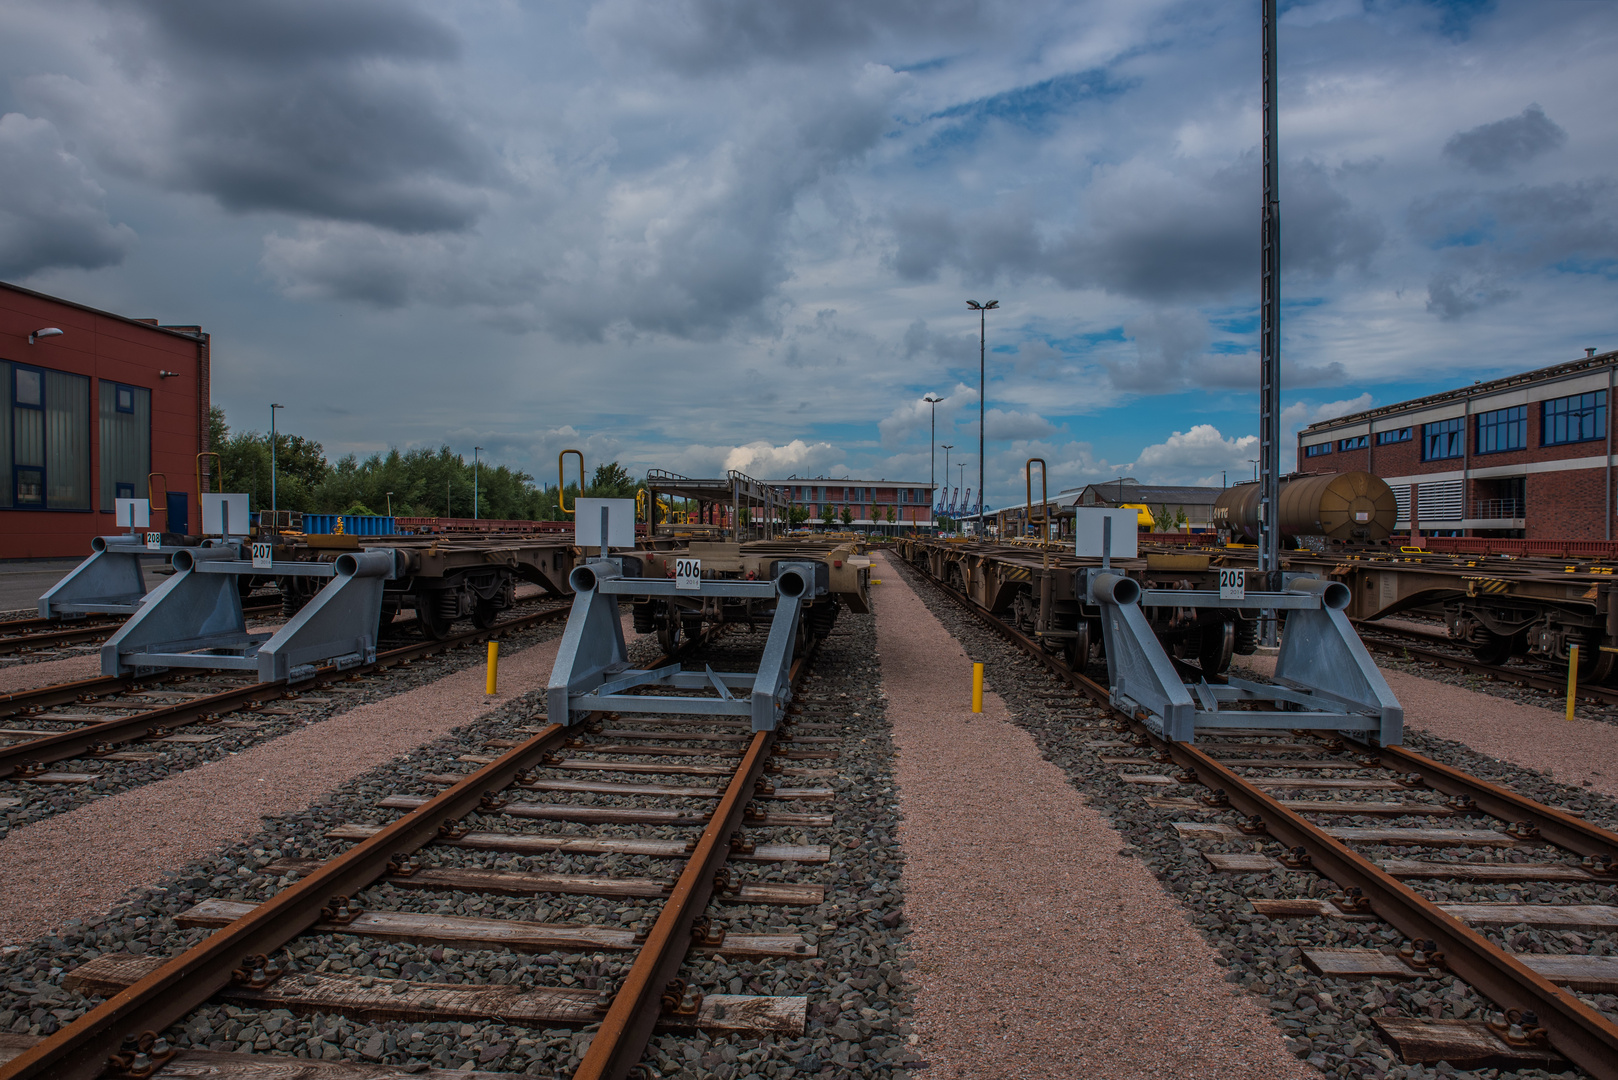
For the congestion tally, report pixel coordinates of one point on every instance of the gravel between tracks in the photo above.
(45, 672)
(80, 862)
(1328, 1022)
(1027, 917)
(1583, 753)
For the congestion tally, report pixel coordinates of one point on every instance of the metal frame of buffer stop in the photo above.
(1324, 677)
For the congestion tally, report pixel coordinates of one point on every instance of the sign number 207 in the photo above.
(688, 573)
(1233, 584)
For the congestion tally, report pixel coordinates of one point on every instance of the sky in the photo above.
(707, 234)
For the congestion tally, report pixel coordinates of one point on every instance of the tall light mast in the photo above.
(1269, 433)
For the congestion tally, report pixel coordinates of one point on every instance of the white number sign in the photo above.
(1233, 584)
(688, 573)
(263, 556)
(154, 541)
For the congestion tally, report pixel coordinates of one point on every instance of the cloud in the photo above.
(54, 214)
(1148, 234)
(1498, 146)
(1200, 451)
(1300, 414)
(916, 415)
(1487, 239)
(1014, 426)
(702, 37)
(327, 110)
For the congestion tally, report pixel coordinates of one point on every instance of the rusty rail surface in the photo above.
(1555, 684)
(79, 1051)
(1578, 1032)
(621, 1041)
(63, 745)
(18, 638)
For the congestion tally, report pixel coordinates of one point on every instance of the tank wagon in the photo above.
(1499, 604)
(1352, 507)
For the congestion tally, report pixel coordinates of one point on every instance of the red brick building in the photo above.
(868, 500)
(1528, 456)
(107, 407)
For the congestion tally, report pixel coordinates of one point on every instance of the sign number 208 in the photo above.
(688, 573)
(1233, 584)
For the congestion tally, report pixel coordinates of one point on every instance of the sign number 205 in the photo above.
(688, 573)
(1233, 584)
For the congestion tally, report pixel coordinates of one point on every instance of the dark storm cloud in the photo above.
(1496, 147)
(698, 37)
(1150, 237)
(1488, 238)
(300, 32)
(53, 214)
(1172, 353)
(326, 110)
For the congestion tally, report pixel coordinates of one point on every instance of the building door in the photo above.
(179, 513)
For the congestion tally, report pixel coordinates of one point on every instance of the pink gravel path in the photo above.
(45, 672)
(81, 862)
(1040, 951)
(1527, 735)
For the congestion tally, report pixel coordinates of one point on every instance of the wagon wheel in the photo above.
(670, 633)
(1076, 649)
(1216, 647)
(1495, 650)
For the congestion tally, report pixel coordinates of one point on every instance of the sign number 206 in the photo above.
(1233, 584)
(688, 573)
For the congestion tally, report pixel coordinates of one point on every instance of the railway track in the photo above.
(700, 798)
(23, 635)
(76, 735)
(1434, 648)
(1292, 793)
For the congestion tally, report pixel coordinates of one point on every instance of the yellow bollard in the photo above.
(494, 666)
(1572, 677)
(977, 688)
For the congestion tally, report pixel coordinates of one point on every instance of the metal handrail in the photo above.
(561, 482)
(206, 453)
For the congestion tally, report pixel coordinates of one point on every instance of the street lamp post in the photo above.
(932, 454)
(982, 388)
(947, 448)
(390, 504)
(476, 450)
(275, 520)
(1253, 461)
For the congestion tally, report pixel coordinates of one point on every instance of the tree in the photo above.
(891, 515)
(798, 515)
(611, 481)
(847, 515)
(828, 515)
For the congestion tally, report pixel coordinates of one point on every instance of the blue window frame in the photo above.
(1442, 439)
(1358, 442)
(1578, 418)
(124, 397)
(1317, 450)
(1503, 429)
(1395, 435)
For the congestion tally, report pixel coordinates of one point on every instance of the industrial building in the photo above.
(1527, 456)
(868, 500)
(95, 407)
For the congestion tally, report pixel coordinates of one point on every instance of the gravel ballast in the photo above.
(1582, 753)
(858, 1002)
(1027, 916)
(79, 862)
(1328, 1022)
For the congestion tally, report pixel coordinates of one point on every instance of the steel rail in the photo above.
(15, 643)
(79, 1051)
(1555, 826)
(620, 1042)
(1533, 680)
(63, 745)
(1578, 1032)
(44, 697)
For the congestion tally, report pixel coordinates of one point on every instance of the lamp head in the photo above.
(49, 331)
(932, 399)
